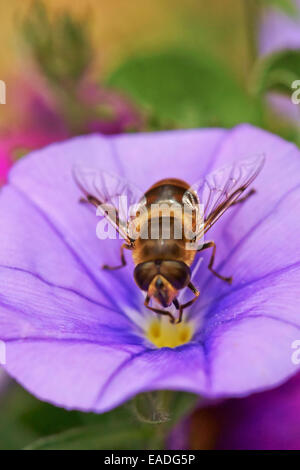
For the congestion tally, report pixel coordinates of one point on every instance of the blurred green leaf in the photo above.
(93, 438)
(29, 423)
(182, 405)
(276, 72)
(287, 6)
(182, 89)
(45, 419)
(14, 434)
(115, 430)
(119, 429)
(24, 418)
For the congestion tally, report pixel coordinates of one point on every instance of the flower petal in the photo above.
(248, 328)
(89, 376)
(68, 373)
(252, 237)
(44, 289)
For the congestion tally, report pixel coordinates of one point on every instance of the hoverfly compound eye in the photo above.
(176, 272)
(144, 273)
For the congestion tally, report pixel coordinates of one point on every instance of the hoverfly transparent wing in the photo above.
(220, 189)
(114, 197)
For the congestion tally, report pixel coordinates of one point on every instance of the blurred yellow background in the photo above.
(121, 27)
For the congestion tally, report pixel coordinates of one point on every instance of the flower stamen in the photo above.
(164, 334)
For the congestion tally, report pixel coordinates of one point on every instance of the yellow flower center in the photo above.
(164, 334)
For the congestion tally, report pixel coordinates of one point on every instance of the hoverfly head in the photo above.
(162, 279)
(161, 290)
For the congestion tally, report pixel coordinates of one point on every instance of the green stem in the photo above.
(160, 411)
(151, 407)
(251, 11)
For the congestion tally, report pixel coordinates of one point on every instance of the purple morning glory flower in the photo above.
(80, 337)
(265, 421)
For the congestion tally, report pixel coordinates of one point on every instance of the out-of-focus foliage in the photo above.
(30, 423)
(285, 5)
(277, 71)
(185, 89)
(61, 47)
(56, 95)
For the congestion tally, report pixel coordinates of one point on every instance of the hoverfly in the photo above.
(163, 264)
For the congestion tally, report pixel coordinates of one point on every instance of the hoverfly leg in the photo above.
(83, 200)
(176, 304)
(157, 310)
(123, 260)
(244, 198)
(212, 245)
(190, 302)
(89, 200)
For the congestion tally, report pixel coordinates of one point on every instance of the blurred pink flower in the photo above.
(42, 118)
(5, 162)
(277, 32)
(111, 111)
(55, 98)
(63, 112)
